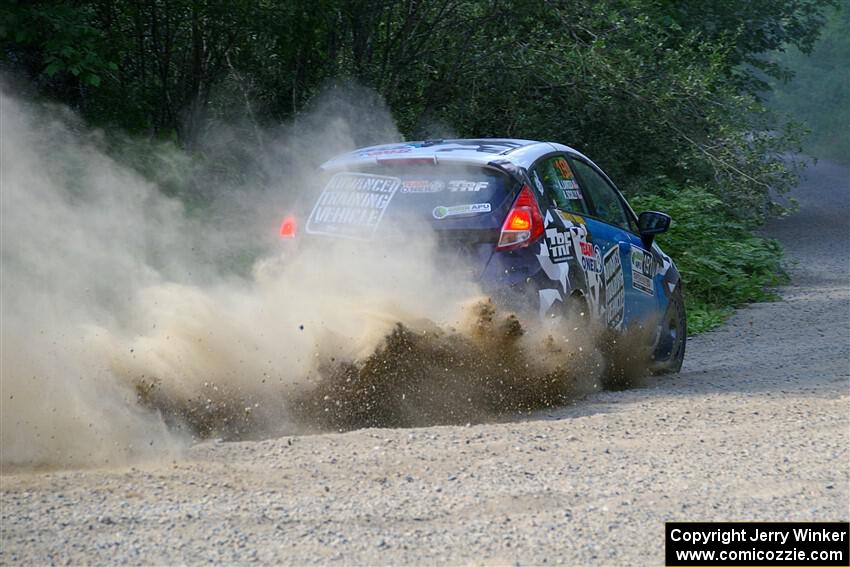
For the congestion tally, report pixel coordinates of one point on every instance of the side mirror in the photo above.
(651, 223)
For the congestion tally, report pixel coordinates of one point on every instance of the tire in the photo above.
(670, 352)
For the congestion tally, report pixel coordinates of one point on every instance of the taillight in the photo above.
(430, 160)
(524, 223)
(287, 227)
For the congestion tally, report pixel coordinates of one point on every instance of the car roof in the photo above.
(478, 151)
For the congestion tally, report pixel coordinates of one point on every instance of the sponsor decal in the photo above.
(559, 244)
(592, 265)
(614, 287)
(352, 205)
(591, 257)
(642, 283)
(422, 186)
(441, 212)
(643, 270)
(460, 185)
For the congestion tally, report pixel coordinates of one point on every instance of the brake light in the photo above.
(519, 220)
(288, 227)
(524, 223)
(430, 160)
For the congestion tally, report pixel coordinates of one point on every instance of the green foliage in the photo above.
(68, 45)
(818, 95)
(722, 263)
(646, 87)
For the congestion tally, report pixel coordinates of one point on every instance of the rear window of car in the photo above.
(355, 203)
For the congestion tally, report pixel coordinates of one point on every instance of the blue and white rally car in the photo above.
(543, 228)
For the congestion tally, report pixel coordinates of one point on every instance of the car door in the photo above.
(570, 256)
(629, 269)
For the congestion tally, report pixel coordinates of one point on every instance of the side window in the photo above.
(605, 203)
(554, 178)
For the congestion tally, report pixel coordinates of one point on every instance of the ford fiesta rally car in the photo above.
(542, 228)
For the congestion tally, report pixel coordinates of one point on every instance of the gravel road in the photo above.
(756, 427)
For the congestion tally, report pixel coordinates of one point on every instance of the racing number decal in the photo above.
(563, 168)
(643, 270)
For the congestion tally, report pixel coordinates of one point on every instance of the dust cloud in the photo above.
(127, 333)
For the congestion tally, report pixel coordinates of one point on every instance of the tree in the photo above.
(818, 94)
(648, 87)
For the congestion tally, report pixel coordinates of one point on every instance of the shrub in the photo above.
(723, 264)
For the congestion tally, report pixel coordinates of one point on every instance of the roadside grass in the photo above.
(722, 262)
